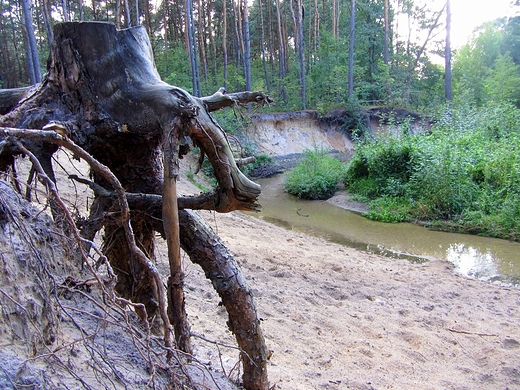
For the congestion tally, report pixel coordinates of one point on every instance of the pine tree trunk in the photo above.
(32, 49)
(282, 73)
(263, 44)
(301, 53)
(387, 29)
(447, 55)
(224, 41)
(247, 45)
(351, 49)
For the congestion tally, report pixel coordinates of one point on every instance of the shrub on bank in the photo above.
(464, 175)
(316, 177)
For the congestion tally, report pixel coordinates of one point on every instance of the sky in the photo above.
(466, 15)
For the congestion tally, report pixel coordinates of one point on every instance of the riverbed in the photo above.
(483, 258)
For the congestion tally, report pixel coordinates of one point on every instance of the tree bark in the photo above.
(192, 48)
(170, 217)
(32, 48)
(206, 249)
(387, 29)
(201, 42)
(244, 10)
(65, 10)
(301, 54)
(46, 8)
(224, 41)
(282, 72)
(262, 47)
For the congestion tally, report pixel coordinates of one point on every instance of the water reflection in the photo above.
(471, 262)
(477, 257)
(483, 265)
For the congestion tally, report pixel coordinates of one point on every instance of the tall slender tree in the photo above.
(118, 15)
(202, 33)
(315, 30)
(335, 18)
(32, 49)
(224, 41)
(387, 34)
(262, 43)
(128, 21)
(282, 73)
(147, 18)
(192, 43)
(351, 49)
(300, 49)
(65, 9)
(447, 55)
(47, 19)
(81, 13)
(247, 44)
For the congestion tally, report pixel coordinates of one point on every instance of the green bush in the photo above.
(464, 174)
(442, 177)
(389, 209)
(316, 177)
(386, 161)
(365, 189)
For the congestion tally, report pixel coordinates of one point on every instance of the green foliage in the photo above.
(191, 177)
(385, 161)
(466, 172)
(207, 170)
(389, 209)
(503, 84)
(487, 69)
(174, 67)
(233, 121)
(354, 121)
(260, 161)
(315, 177)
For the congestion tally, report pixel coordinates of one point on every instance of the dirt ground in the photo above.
(338, 318)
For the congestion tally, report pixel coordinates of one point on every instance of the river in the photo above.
(484, 258)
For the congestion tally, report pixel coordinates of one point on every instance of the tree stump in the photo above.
(102, 91)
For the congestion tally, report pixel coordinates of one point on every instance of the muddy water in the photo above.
(478, 257)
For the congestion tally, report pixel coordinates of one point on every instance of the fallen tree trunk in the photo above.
(103, 92)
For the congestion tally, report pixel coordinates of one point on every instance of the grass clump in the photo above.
(389, 209)
(316, 177)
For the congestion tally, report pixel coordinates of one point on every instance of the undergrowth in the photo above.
(464, 175)
(316, 177)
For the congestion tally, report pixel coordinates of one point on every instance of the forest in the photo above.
(305, 54)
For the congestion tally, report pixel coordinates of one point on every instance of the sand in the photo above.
(338, 318)
(335, 317)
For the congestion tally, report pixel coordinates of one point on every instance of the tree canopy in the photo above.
(297, 51)
(487, 68)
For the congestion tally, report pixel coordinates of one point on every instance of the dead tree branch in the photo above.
(221, 99)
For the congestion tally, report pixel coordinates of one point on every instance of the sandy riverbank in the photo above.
(338, 318)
